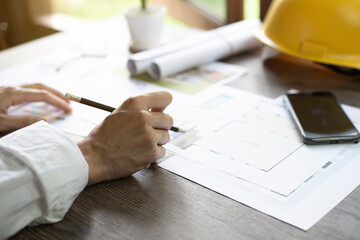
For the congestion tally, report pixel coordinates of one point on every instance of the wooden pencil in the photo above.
(104, 107)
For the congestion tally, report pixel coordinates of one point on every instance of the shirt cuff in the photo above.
(59, 168)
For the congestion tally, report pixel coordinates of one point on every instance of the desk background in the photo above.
(156, 204)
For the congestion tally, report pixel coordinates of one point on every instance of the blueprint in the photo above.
(246, 147)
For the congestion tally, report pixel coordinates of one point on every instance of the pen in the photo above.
(91, 103)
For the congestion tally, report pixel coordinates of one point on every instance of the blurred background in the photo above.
(99, 9)
(25, 20)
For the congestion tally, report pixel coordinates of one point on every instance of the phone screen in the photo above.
(319, 116)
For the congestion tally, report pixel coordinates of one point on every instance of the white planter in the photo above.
(145, 26)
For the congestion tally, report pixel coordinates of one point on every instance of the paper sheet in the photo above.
(40, 109)
(199, 78)
(245, 147)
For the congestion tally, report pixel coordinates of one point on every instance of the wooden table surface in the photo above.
(157, 204)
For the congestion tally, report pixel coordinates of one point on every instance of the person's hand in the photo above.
(10, 96)
(129, 139)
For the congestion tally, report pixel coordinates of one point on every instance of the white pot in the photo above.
(145, 26)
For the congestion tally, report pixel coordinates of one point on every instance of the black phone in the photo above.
(320, 119)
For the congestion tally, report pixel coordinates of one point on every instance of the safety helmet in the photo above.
(324, 31)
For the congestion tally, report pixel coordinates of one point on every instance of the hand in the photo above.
(129, 139)
(10, 96)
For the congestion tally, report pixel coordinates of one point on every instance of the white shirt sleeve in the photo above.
(42, 171)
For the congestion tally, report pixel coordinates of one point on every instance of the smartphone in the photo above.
(320, 119)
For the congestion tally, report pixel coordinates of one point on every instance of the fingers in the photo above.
(160, 123)
(163, 137)
(153, 155)
(9, 123)
(22, 95)
(158, 101)
(161, 152)
(47, 88)
(155, 101)
(158, 120)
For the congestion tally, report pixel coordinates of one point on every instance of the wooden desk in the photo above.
(156, 204)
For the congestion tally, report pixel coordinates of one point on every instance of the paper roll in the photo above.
(140, 62)
(202, 54)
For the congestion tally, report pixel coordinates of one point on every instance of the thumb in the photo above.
(8, 123)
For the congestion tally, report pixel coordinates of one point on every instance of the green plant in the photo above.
(143, 4)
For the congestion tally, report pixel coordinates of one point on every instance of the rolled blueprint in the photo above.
(140, 62)
(200, 54)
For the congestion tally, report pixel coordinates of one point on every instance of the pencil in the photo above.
(94, 104)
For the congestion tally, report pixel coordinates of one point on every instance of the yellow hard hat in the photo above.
(325, 31)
